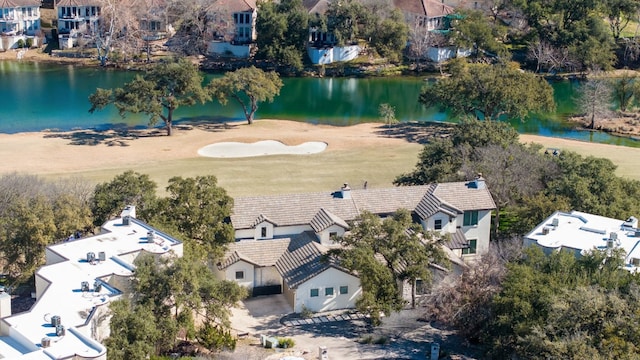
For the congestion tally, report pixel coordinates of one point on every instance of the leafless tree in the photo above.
(192, 19)
(421, 39)
(463, 301)
(119, 29)
(594, 98)
(542, 53)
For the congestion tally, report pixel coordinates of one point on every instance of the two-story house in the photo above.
(233, 27)
(280, 239)
(77, 18)
(323, 47)
(19, 19)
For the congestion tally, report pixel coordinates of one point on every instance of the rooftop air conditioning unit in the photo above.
(126, 220)
(84, 286)
(60, 330)
(97, 286)
(151, 236)
(555, 222)
(545, 230)
(91, 256)
(635, 261)
(610, 243)
(613, 236)
(45, 342)
(102, 256)
(55, 320)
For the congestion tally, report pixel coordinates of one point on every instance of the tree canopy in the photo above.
(385, 253)
(489, 91)
(249, 87)
(157, 93)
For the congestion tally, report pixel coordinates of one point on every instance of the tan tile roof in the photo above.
(7, 4)
(428, 8)
(431, 204)
(79, 3)
(457, 241)
(464, 196)
(325, 219)
(316, 6)
(301, 209)
(256, 252)
(303, 260)
(233, 6)
(261, 218)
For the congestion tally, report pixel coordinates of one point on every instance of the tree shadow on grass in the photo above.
(417, 132)
(122, 135)
(109, 137)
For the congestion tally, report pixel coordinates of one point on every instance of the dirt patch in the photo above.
(622, 124)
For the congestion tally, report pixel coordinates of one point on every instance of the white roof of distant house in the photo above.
(581, 232)
(59, 291)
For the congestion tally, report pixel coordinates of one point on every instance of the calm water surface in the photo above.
(36, 96)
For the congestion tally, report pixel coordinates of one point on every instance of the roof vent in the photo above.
(60, 330)
(631, 222)
(55, 320)
(45, 342)
(151, 236)
(346, 191)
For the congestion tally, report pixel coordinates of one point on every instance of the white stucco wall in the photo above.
(481, 232)
(257, 233)
(329, 278)
(225, 48)
(278, 231)
(325, 236)
(264, 276)
(321, 56)
(230, 273)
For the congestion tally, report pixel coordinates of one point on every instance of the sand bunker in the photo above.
(260, 148)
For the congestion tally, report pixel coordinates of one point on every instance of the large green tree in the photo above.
(247, 86)
(384, 253)
(390, 37)
(473, 30)
(197, 209)
(157, 93)
(489, 91)
(283, 32)
(128, 188)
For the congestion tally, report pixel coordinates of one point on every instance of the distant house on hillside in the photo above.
(280, 239)
(323, 47)
(427, 14)
(233, 27)
(154, 24)
(77, 18)
(19, 20)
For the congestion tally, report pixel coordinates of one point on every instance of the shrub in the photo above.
(306, 313)
(29, 42)
(286, 343)
(20, 43)
(213, 337)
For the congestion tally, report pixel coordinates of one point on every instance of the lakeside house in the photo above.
(77, 19)
(70, 318)
(280, 239)
(19, 20)
(233, 28)
(579, 232)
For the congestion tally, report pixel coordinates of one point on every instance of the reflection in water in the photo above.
(44, 96)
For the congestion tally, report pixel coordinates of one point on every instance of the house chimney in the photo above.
(479, 181)
(346, 191)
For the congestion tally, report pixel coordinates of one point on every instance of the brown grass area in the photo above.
(364, 152)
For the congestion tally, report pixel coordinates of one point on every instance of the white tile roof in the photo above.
(581, 232)
(59, 290)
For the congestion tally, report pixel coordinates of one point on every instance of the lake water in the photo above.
(37, 96)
